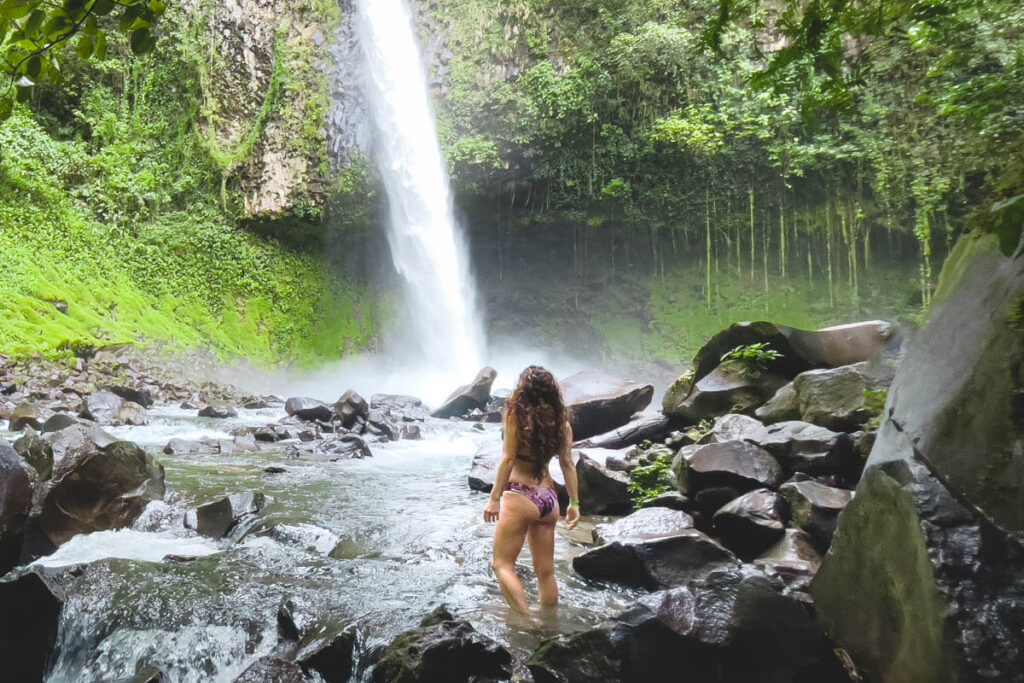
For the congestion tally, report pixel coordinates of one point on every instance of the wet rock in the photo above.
(647, 523)
(751, 523)
(308, 409)
(485, 466)
(468, 397)
(442, 649)
(347, 446)
(268, 434)
(834, 397)
(36, 452)
(27, 415)
(95, 491)
(57, 422)
(599, 402)
(671, 500)
(16, 480)
(654, 564)
(132, 414)
(294, 619)
(30, 608)
(735, 465)
(784, 405)
(329, 652)
(183, 447)
(729, 388)
(644, 428)
(221, 517)
(795, 545)
(102, 407)
(602, 491)
(71, 444)
(735, 427)
(585, 657)
(351, 407)
(410, 432)
(379, 422)
(140, 396)
(274, 469)
(398, 408)
(218, 411)
(803, 447)
(815, 507)
(273, 670)
(846, 344)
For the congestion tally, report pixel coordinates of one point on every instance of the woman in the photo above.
(536, 429)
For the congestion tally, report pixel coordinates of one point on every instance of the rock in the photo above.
(131, 414)
(647, 523)
(57, 422)
(671, 500)
(183, 447)
(729, 388)
(27, 415)
(602, 491)
(379, 421)
(654, 427)
(329, 652)
(140, 396)
(16, 479)
(105, 357)
(584, 657)
(735, 465)
(350, 407)
(218, 411)
(815, 507)
(221, 517)
(751, 523)
(803, 447)
(599, 402)
(72, 443)
(784, 405)
(736, 427)
(485, 466)
(834, 397)
(654, 564)
(410, 432)
(294, 619)
(845, 344)
(442, 650)
(795, 545)
(102, 407)
(347, 446)
(36, 452)
(274, 469)
(308, 409)
(400, 408)
(468, 397)
(273, 670)
(95, 491)
(30, 609)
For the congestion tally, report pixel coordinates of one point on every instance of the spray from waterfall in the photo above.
(440, 327)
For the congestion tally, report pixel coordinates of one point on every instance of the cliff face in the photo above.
(263, 68)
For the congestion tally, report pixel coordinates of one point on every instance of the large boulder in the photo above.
(836, 397)
(57, 422)
(27, 415)
(733, 625)
(654, 563)
(815, 508)
(845, 344)
(15, 501)
(923, 580)
(220, 517)
(599, 402)
(470, 396)
(442, 648)
(653, 522)
(71, 444)
(398, 408)
(95, 490)
(784, 405)
(644, 428)
(731, 387)
(351, 407)
(775, 337)
(737, 466)
(750, 524)
(602, 491)
(30, 609)
(108, 409)
(37, 452)
(140, 396)
(308, 409)
(804, 447)
(485, 466)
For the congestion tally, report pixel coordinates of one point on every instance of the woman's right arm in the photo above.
(572, 515)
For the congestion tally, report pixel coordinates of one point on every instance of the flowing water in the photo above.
(444, 331)
(405, 530)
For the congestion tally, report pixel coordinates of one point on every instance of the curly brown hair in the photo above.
(540, 416)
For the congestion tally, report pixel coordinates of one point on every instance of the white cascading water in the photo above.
(446, 336)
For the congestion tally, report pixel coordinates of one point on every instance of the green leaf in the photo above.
(1010, 224)
(85, 47)
(32, 67)
(91, 26)
(139, 23)
(141, 41)
(74, 6)
(24, 93)
(31, 26)
(157, 7)
(6, 107)
(102, 8)
(16, 9)
(100, 51)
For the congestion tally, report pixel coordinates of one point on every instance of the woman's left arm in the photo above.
(508, 456)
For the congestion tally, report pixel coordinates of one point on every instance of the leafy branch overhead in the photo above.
(35, 33)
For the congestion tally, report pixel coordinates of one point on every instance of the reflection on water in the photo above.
(406, 534)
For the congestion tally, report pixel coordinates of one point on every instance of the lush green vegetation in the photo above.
(115, 201)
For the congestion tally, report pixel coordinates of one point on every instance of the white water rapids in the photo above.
(444, 332)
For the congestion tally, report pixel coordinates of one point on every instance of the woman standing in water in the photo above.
(523, 500)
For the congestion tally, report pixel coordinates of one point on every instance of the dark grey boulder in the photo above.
(380, 423)
(647, 523)
(102, 408)
(351, 407)
(27, 415)
(729, 388)
(140, 396)
(815, 508)
(400, 408)
(584, 657)
(795, 545)
(602, 491)
(466, 398)
(37, 452)
(654, 427)
(57, 422)
(750, 524)
(308, 409)
(218, 411)
(96, 490)
(329, 650)
(846, 344)
(485, 466)
(736, 465)
(671, 500)
(784, 405)
(30, 609)
(223, 516)
(442, 649)
(804, 447)
(347, 446)
(16, 480)
(735, 427)
(654, 564)
(834, 397)
(72, 443)
(599, 402)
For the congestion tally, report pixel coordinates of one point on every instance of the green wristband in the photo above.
(574, 503)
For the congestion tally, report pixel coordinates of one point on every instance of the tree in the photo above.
(35, 33)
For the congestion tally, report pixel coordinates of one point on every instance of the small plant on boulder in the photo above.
(753, 359)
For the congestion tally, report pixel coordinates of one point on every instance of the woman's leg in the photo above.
(516, 514)
(542, 548)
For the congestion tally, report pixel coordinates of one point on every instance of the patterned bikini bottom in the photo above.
(543, 497)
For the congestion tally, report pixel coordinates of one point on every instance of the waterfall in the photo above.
(442, 333)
